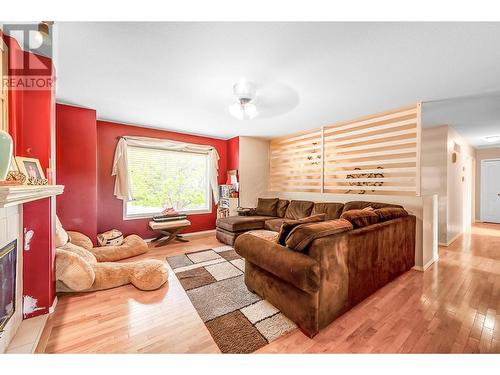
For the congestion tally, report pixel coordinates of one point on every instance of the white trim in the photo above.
(150, 216)
(208, 192)
(200, 233)
(16, 194)
(426, 265)
(450, 241)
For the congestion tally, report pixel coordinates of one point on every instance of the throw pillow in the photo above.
(281, 209)
(288, 226)
(298, 209)
(360, 218)
(302, 235)
(389, 213)
(267, 207)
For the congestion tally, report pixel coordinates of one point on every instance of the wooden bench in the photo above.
(169, 230)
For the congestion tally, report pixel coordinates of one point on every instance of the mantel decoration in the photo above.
(365, 183)
(31, 169)
(15, 177)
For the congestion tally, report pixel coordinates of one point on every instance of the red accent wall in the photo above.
(233, 153)
(110, 209)
(31, 126)
(76, 166)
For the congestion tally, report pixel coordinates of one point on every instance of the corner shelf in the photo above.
(19, 194)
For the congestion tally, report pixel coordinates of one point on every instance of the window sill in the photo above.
(150, 216)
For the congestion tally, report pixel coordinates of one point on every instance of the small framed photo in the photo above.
(30, 167)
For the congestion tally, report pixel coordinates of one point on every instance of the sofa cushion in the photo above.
(360, 218)
(332, 210)
(274, 224)
(298, 269)
(240, 223)
(298, 209)
(359, 205)
(302, 235)
(267, 206)
(389, 213)
(281, 208)
(268, 235)
(288, 225)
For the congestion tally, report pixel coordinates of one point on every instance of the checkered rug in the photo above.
(238, 320)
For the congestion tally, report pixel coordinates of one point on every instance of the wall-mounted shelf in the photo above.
(18, 194)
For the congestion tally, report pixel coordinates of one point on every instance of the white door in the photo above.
(490, 191)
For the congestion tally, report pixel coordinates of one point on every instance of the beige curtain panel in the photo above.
(120, 164)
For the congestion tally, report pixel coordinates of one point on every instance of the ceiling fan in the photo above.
(252, 100)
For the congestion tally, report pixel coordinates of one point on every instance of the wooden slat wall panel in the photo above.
(296, 163)
(378, 154)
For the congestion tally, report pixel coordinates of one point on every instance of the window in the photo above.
(164, 178)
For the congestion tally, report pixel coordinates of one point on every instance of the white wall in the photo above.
(434, 170)
(459, 187)
(443, 177)
(253, 169)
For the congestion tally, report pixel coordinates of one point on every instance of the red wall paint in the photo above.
(76, 165)
(233, 153)
(38, 261)
(31, 125)
(110, 209)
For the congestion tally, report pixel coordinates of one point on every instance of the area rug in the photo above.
(238, 320)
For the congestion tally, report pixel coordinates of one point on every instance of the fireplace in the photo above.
(8, 259)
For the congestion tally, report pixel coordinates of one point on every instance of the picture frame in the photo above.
(30, 167)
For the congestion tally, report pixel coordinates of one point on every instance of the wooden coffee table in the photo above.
(169, 230)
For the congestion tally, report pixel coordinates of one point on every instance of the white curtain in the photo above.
(123, 189)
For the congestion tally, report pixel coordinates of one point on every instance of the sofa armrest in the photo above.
(296, 268)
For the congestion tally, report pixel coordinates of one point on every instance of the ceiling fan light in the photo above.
(250, 110)
(237, 111)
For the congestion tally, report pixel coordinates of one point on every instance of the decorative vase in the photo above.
(5, 154)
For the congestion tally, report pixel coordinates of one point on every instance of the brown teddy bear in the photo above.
(78, 269)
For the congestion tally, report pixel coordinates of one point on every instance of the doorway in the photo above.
(490, 191)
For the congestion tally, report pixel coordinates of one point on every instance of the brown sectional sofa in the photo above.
(339, 262)
(229, 228)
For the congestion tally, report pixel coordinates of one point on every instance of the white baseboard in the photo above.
(450, 241)
(426, 265)
(198, 234)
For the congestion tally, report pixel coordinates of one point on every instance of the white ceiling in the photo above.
(473, 117)
(179, 76)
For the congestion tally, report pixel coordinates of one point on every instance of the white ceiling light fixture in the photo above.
(244, 108)
(492, 139)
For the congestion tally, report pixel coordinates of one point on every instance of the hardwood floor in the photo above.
(453, 307)
(127, 320)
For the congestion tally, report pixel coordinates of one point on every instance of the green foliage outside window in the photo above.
(168, 179)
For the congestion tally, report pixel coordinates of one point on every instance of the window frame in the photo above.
(186, 212)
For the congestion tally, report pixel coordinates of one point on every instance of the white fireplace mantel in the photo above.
(18, 194)
(20, 336)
